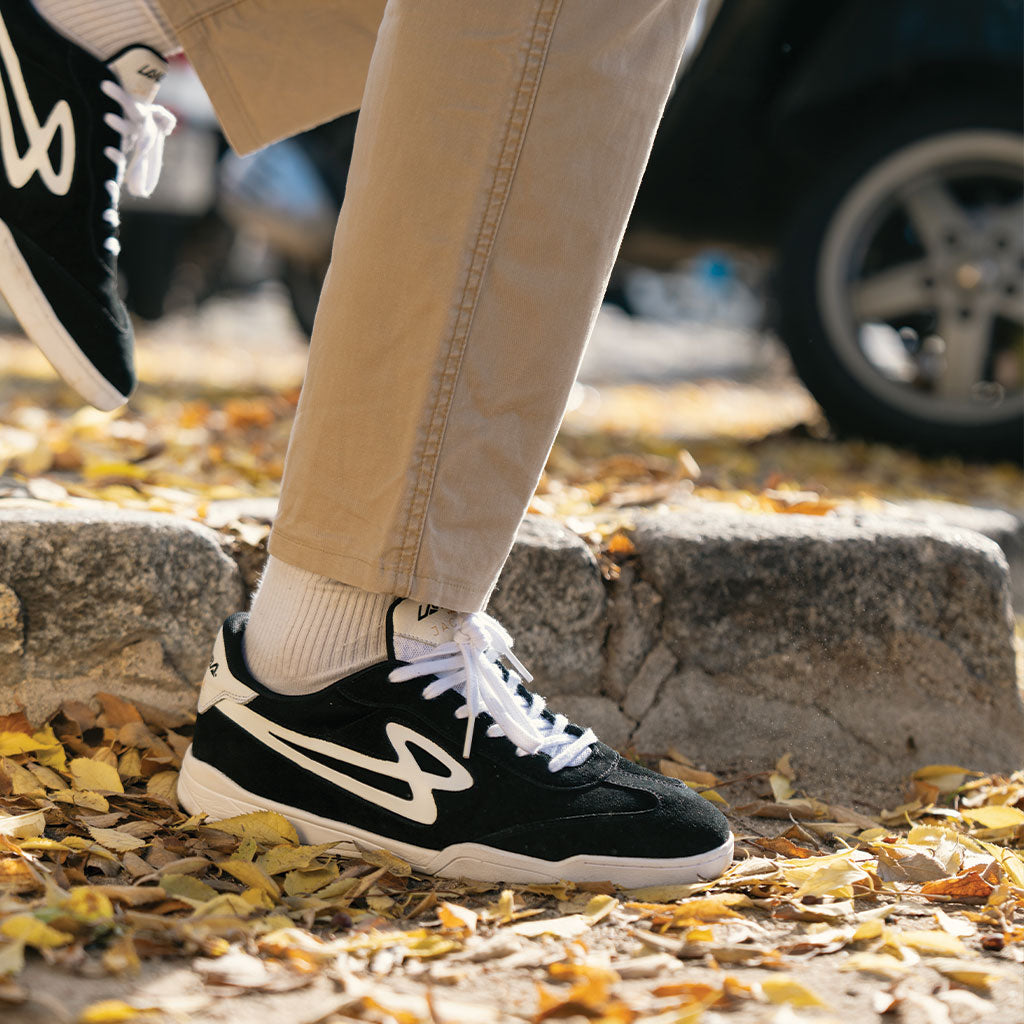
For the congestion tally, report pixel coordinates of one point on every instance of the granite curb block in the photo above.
(865, 645)
(108, 600)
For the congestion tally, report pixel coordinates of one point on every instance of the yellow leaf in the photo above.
(12, 958)
(667, 893)
(881, 965)
(383, 859)
(870, 929)
(258, 898)
(505, 908)
(23, 782)
(50, 779)
(965, 972)
(339, 889)
(710, 908)
(42, 843)
(936, 943)
(994, 816)
(944, 777)
(113, 839)
(227, 904)
(871, 834)
(187, 888)
(266, 827)
(129, 765)
(833, 879)
(33, 932)
(110, 1011)
(715, 797)
(82, 798)
(89, 774)
(121, 956)
(299, 883)
(599, 907)
(22, 826)
(431, 946)
(453, 916)
(51, 755)
(164, 785)
(782, 788)
(251, 875)
(783, 989)
(570, 927)
(88, 904)
(283, 857)
(18, 743)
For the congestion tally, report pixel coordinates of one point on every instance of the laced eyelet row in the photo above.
(471, 664)
(143, 129)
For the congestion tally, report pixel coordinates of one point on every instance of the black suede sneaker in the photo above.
(72, 130)
(442, 756)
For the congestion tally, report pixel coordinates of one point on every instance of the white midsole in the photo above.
(204, 789)
(40, 323)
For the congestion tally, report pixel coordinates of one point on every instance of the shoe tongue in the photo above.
(140, 70)
(416, 628)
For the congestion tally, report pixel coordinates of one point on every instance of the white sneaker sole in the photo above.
(40, 323)
(204, 789)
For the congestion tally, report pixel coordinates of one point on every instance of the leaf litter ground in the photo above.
(114, 905)
(154, 914)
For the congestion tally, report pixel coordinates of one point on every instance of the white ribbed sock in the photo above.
(305, 631)
(105, 27)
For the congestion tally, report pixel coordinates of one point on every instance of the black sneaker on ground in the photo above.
(442, 756)
(72, 130)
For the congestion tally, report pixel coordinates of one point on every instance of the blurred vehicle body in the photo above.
(873, 149)
(870, 150)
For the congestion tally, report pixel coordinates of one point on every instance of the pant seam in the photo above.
(379, 567)
(199, 26)
(212, 12)
(497, 198)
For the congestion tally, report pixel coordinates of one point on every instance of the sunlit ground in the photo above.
(211, 419)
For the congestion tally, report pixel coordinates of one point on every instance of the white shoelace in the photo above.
(468, 663)
(137, 163)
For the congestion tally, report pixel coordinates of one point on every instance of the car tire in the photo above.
(909, 235)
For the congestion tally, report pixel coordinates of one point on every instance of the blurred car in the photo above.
(874, 149)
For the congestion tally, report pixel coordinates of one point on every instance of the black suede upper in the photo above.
(604, 806)
(61, 237)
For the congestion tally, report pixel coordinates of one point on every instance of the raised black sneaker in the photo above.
(73, 129)
(443, 757)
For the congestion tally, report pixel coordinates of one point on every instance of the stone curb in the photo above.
(866, 646)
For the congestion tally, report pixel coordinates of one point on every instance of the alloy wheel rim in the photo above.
(919, 282)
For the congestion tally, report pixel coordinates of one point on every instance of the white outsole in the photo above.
(204, 789)
(40, 323)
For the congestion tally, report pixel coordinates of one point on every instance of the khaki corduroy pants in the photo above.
(498, 154)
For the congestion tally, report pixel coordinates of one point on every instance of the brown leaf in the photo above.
(784, 846)
(117, 711)
(967, 884)
(16, 722)
(680, 771)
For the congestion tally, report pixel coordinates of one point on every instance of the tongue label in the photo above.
(140, 71)
(423, 623)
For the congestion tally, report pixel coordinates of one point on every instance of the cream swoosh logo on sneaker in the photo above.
(420, 806)
(36, 159)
